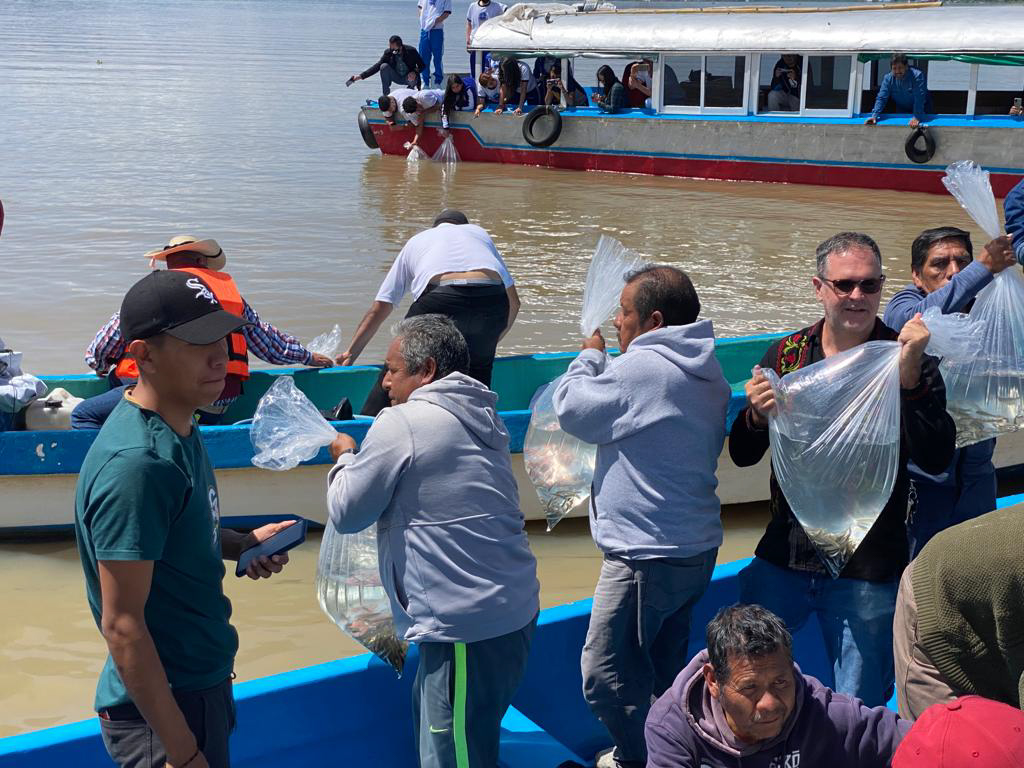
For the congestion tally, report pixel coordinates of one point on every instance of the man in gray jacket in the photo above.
(435, 475)
(657, 415)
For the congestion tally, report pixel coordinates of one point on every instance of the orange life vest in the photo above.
(224, 288)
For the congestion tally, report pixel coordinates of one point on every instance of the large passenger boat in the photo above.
(710, 115)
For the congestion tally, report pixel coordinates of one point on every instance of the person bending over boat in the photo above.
(453, 269)
(488, 90)
(400, 63)
(459, 94)
(434, 473)
(743, 701)
(147, 523)
(787, 576)
(958, 627)
(653, 512)
(945, 275)
(390, 104)
(613, 98)
(203, 259)
(415, 109)
(906, 87)
(517, 84)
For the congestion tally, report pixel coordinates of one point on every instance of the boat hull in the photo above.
(824, 151)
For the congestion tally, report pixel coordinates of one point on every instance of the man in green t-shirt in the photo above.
(147, 520)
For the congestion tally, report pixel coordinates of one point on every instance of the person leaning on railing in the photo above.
(907, 88)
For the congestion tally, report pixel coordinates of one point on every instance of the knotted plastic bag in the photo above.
(835, 439)
(349, 590)
(611, 262)
(984, 395)
(560, 467)
(415, 156)
(447, 153)
(326, 343)
(287, 428)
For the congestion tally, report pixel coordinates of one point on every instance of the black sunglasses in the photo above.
(845, 287)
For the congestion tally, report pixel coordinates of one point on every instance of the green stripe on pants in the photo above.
(459, 713)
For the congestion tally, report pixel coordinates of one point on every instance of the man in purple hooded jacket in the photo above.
(744, 702)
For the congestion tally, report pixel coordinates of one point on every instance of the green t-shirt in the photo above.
(146, 493)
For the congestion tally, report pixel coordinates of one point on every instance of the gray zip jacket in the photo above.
(435, 475)
(657, 415)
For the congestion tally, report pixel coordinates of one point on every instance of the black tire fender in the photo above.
(548, 137)
(914, 152)
(366, 131)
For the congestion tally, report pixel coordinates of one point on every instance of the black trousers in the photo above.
(480, 312)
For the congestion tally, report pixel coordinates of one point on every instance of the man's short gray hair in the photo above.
(424, 337)
(843, 242)
(744, 631)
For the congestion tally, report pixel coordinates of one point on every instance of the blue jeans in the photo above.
(855, 616)
(432, 44)
(93, 411)
(637, 641)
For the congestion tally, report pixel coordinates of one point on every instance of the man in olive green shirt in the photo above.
(147, 520)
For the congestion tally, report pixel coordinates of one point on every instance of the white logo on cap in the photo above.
(202, 292)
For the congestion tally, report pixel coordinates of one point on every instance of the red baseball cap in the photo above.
(970, 732)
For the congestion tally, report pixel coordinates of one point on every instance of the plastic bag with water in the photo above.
(835, 440)
(349, 590)
(560, 467)
(415, 156)
(447, 153)
(611, 262)
(984, 395)
(287, 428)
(955, 337)
(327, 343)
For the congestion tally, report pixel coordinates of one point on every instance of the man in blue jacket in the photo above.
(744, 702)
(907, 88)
(947, 276)
(657, 415)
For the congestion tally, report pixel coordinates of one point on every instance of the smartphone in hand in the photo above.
(282, 541)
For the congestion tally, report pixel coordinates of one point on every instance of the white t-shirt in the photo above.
(478, 14)
(444, 248)
(426, 98)
(400, 95)
(431, 10)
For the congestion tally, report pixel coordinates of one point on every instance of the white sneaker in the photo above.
(606, 759)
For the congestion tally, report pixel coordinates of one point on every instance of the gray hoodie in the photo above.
(657, 415)
(435, 475)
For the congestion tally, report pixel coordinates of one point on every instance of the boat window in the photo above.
(949, 84)
(998, 86)
(723, 86)
(682, 80)
(828, 82)
(778, 82)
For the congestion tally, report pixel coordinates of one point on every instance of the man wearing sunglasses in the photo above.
(947, 276)
(855, 611)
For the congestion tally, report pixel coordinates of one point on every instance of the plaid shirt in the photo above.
(264, 340)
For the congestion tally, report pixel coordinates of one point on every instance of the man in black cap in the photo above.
(147, 521)
(451, 269)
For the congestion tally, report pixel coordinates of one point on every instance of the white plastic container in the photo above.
(52, 411)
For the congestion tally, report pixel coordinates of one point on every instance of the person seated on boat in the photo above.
(453, 269)
(108, 354)
(399, 64)
(787, 74)
(958, 627)
(971, 732)
(417, 107)
(459, 94)
(612, 97)
(655, 517)
(488, 91)
(555, 88)
(637, 79)
(946, 275)
(743, 701)
(17, 388)
(787, 575)
(435, 474)
(904, 89)
(517, 86)
(147, 524)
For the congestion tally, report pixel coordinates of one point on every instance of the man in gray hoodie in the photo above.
(435, 475)
(657, 415)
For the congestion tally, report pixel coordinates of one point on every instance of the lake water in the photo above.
(125, 123)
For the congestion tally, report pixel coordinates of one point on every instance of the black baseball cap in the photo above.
(178, 304)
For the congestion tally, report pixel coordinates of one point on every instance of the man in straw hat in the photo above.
(203, 259)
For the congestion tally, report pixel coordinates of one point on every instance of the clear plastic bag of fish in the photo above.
(609, 266)
(835, 440)
(416, 155)
(349, 590)
(955, 337)
(326, 343)
(287, 428)
(560, 467)
(983, 395)
(446, 153)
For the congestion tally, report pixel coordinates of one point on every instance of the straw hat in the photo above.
(191, 244)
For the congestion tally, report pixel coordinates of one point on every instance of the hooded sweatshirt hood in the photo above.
(691, 348)
(472, 403)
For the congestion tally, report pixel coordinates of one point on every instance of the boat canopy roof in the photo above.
(915, 28)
